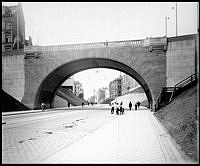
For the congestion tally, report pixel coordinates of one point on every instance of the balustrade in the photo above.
(133, 43)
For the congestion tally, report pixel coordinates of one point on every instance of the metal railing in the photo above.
(175, 91)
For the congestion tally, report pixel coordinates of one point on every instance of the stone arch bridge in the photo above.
(47, 67)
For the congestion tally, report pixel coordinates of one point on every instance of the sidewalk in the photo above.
(55, 109)
(135, 137)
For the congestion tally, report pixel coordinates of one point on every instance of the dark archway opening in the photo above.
(48, 87)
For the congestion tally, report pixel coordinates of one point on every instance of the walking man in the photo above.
(112, 108)
(135, 106)
(130, 105)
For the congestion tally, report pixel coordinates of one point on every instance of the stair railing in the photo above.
(175, 89)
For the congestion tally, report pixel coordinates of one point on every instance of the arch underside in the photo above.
(49, 85)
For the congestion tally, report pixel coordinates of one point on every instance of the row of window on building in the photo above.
(13, 28)
(118, 87)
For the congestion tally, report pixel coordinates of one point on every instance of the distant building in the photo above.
(128, 83)
(92, 99)
(100, 95)
(115, 88)
(13, 28)
(78, 90)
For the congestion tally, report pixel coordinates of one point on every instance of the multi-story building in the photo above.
(13, 28)
(115, 88)
(100, 95)
(78, 90)
(128, 83)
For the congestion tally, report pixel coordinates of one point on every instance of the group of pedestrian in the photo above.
(118, 108)
(137, 105)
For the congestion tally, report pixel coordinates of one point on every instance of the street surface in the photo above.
(87, 136)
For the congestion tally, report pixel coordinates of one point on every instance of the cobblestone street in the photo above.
(90, 137)
(34, 141)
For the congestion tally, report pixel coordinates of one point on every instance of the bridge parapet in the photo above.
(155, 41)
(134, 43)
(149, 42)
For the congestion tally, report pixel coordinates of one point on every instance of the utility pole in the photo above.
(18, 27)
(166, 18)
(176, 21)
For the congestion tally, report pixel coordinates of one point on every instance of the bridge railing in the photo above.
(155, 41)
(133, 43)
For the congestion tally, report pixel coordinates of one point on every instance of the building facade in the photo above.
(100, 95)
(78, 90)
(128, 83)
(115, 88)
(13, 28)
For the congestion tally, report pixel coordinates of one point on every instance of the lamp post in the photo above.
(176, 19)
(166, 18)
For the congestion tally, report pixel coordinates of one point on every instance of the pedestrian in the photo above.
(117, 108)
(68, 104)
(135, 106)
(138, 104)
(130, 105)
(43, 106)
(121, 108)
(82, 104)
(112, 108)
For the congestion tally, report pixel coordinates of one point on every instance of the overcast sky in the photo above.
(51, 23)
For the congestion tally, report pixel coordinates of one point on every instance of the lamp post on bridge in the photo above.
(166, 18)
(176, 19)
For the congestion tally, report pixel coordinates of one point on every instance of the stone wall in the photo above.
(13, 77)
(180, 59)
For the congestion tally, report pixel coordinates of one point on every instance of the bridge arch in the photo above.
(48, 87)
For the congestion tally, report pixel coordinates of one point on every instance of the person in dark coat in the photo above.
(121, 108)
(138, 104)
(112, 109)
(68, 104)
(130, 105)
(117, 108)
(135, 106)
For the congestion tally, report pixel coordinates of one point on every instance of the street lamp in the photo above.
(176, 19)
(166, 18)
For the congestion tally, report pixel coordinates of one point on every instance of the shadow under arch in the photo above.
(48, 87)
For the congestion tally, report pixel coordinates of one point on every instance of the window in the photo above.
(3, 25)
(8, 26)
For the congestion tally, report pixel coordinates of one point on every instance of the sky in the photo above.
(56, 23)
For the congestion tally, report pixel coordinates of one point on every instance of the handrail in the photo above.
(174, 89)
(187, 79)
